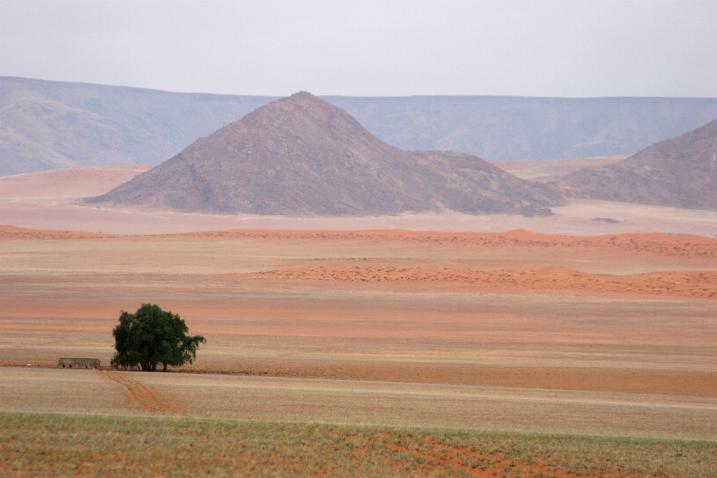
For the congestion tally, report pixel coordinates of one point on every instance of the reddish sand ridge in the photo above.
(24, 233)
(650, 243)
(653, 243)
(463, 276)
(546, 279)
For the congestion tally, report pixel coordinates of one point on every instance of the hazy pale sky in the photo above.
(369, 47)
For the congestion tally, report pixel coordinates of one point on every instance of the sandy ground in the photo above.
(51, 200)
(66, 183)
(358, 402)
(548, 169)
(547, 280)
(612, 333)
(78, 391)
(384, 346)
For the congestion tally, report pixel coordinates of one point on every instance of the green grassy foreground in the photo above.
(64, 445)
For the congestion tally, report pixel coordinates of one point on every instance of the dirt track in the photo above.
(144, 396)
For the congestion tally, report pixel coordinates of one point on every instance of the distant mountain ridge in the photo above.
(47, 124)
(678, 172)
(304, 156)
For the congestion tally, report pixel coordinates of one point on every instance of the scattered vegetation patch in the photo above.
(62, 445)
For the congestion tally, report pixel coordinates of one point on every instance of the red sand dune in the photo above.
(652, 243)
(23, 233)
(701, 285)
(661, 244)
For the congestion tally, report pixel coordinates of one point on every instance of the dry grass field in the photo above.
(310, 400)
(69, 445)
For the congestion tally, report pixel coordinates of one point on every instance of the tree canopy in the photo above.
(152, 336)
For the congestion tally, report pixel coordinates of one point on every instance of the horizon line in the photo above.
(421, 95)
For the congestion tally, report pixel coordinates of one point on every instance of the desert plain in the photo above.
(586, 330)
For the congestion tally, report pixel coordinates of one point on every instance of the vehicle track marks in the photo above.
(143, 395)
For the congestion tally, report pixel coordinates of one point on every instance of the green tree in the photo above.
(152, 336)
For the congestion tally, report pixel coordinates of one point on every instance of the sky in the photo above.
(565, 48)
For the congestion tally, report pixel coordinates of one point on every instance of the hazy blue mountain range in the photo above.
(47, 124)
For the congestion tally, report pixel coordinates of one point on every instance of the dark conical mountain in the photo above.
(678, 172)
(303, 156)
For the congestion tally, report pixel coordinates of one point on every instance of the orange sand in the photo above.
(395, 306)
(651, 243)
(561, 280)
(24, 233)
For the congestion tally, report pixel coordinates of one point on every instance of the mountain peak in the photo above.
(304, 156)
(299, 95)
(677, 172)
(306, 99)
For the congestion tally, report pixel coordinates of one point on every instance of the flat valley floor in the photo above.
(601, 348)
(518, 331)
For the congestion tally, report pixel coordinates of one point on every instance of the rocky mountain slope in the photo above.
(303, 156)
(47, 124)
(678, 172)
